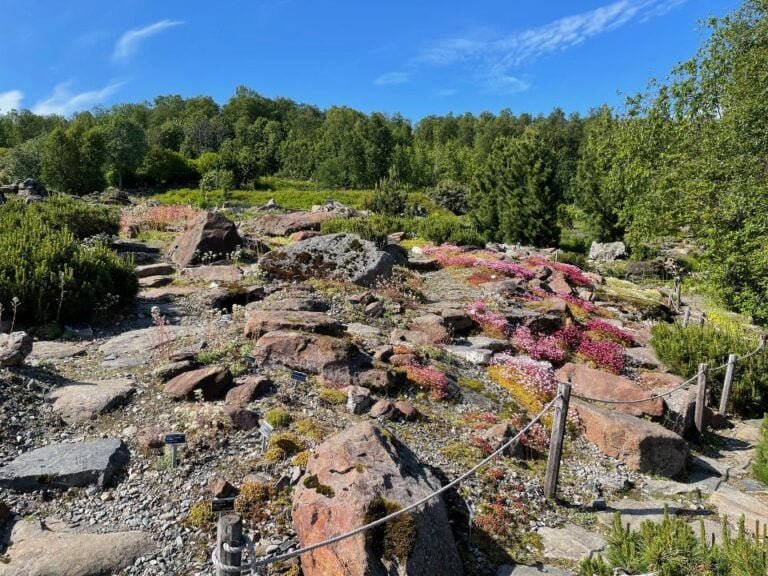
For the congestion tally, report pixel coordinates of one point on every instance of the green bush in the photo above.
(388, 201)
(440, 228)
(574, 258)
(375, 228)
(672, 548)
(62, 212)
(54, 276)
(760, 467)
(683, 349)
(451, 195)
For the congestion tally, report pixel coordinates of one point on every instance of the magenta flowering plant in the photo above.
(605, 354)
(570, 337)
(574, 273)
(540, 348)
(490, 322)
(576, 301)
(607, 331)
(449, 255)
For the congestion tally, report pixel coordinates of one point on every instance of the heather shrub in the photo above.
(682, 349)
(602, 330)
(491, 323)
(430, 379)
(55, 277)
(574, 273)
(62, 212)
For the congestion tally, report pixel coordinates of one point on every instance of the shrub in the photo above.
(375, 228)
(388, 201)
(760, 467)
(201, 514)
(54, 276)
(429, 378)
(682, 349)
(442, 228)
(451, 195)
(672, 548)
(278, 418)
(288, 442)
(61, 212)
(603, 330)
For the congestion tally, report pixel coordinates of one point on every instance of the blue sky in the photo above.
(417, 58)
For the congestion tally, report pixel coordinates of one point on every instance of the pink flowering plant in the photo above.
(451, 256)
(602, 330)
(604, 354)
(574, 273)
(538, 380)
(431, 379)
(538, 347)
(490, 322)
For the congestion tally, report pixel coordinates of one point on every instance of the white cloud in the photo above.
(64, 102)
(10, 100)
(129, 42)
(489, 58)
(392, 78)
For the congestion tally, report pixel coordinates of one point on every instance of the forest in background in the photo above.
(688, 157)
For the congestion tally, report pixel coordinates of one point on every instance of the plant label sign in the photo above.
(266, 430)
(219, 505)
(175, 438)
(297, 376)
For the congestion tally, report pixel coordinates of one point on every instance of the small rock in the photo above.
(220, 488)
(358, 399)
(14, 348)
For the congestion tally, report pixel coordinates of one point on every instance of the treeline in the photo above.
(175, 141)
(688, 157)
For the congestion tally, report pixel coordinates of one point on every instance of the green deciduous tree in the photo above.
(125, 145)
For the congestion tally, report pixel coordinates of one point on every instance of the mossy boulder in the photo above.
(359, 476)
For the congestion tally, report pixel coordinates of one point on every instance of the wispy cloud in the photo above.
(64, 102)
(392, 78)
(490, 58)
(129, 42)
(10, 100)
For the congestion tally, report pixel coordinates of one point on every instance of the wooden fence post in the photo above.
(701, 397)
(727, 384)
(556, 441)
(678, 293)
(229, 542)
(702, 319)
(687, 317)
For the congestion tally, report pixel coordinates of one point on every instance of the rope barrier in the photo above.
(254, 564)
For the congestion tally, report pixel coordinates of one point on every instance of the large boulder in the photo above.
(336, 360)
(641, 445)
(604, 385)
(212, 381)
(359, 476)
(335, 256)
(607, 251)
(285, 224)
(211, 233)
(65, 465)
(37, 550)
(14, 348)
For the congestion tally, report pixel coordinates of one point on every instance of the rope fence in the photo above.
(231, 543)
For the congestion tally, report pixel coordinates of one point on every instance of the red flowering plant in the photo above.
(449, 255)
(158, 217)
(434, 381)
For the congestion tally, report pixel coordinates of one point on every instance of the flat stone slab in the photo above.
(42, 552)
(732, 503)
(133, 348)
(159, 269)
(82, 401)
(645, 358)
(155, 281)
(65, 465)
(634, 512)
(571, 542)
(51, 350)
(226, 274)
(523, 570)
(476, 356)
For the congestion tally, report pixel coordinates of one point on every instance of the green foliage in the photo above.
(201, 514)
(375, 227)
(125, 145)
(72, 161)
(451, 195)
(164, 167)
(760, 467)
(517, 192)
(440, 228)
(23, 161)
(683, 349)
(388, 201)
(222, 180)
(672, 548)
(62, 212)
(278, 418)
(53, 275)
